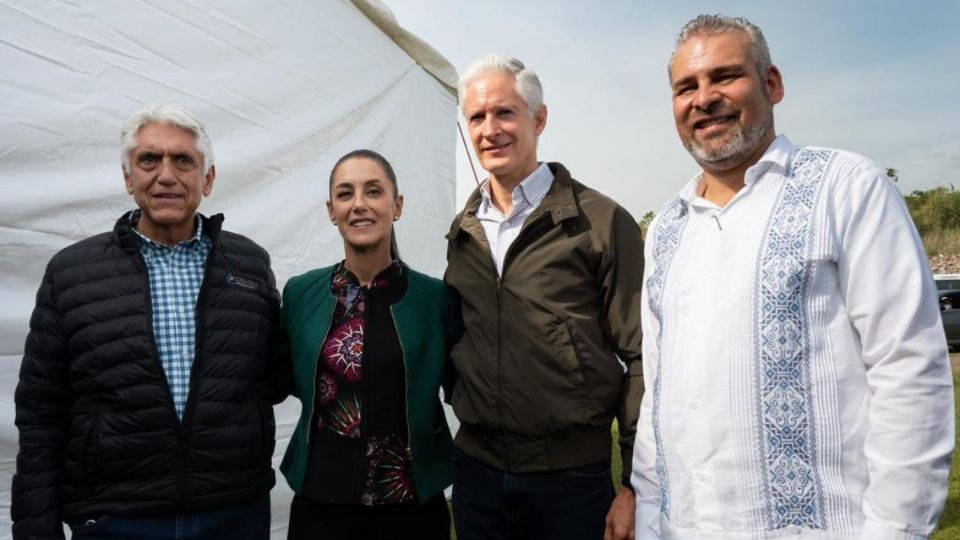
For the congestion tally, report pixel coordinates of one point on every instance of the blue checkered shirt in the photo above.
(175, 277)
(502, 230)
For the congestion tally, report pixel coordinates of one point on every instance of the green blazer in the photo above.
(428, 325)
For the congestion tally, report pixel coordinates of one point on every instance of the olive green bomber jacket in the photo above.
(538, 380)
(428, 323)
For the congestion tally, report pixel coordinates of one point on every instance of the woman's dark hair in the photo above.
(365, 153)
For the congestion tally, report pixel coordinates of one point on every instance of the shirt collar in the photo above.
(776, 155)
(532, 189)
(389, 284)
(190, 242)
(343, 278)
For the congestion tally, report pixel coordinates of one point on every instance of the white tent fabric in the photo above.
(284, 88)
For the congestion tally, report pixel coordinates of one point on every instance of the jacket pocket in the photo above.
(566, 351)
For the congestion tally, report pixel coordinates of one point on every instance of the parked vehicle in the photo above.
(950, 315)
(947, 282)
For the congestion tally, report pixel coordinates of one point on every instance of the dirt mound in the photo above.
(945, 264)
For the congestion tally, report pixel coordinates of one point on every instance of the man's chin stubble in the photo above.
(730, 154)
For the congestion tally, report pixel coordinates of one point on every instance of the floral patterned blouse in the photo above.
(358, 451)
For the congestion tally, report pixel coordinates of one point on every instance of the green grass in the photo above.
(616, 462)
(949, 528)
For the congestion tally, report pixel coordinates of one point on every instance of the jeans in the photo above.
(249, 521)
(310, 520)
(569, 504)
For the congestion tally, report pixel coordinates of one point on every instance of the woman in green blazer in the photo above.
(368, 340)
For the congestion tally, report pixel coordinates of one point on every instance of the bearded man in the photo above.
(801, 384)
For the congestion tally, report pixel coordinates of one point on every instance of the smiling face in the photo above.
(167, 182)
(722, 107)
(503, 131)
(363, 205)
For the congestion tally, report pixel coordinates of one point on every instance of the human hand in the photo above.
(621, 518)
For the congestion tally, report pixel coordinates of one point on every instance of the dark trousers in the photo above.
(245, 522)
(570, 504)
(311, 520)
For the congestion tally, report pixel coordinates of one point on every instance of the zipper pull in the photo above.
(409, 453)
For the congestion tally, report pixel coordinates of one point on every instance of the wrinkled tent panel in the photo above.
(284, 88)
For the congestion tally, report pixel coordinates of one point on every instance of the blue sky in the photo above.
(879, 78)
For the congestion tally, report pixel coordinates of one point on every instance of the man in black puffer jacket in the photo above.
(141, 404)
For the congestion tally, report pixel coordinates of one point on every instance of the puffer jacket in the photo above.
(538, 377)
(98, 431)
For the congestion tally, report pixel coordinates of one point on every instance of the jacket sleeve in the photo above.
(280, 375)
(43, 399)
(891, 303)
(281, 372)
(621, 281)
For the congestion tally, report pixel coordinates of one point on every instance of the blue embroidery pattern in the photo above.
(665, 242)
(785, 410)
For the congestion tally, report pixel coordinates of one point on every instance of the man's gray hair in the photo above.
(712, 25)
(527, 83)
(172, 114)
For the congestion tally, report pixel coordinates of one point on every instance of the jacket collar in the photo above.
(124, 234)
(560, 201)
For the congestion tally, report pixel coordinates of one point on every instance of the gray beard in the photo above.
(742, 144)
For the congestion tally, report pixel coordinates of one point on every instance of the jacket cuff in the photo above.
(626, 461)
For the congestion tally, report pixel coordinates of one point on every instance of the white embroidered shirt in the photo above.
(798, 383)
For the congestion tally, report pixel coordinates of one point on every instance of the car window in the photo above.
(947, 284)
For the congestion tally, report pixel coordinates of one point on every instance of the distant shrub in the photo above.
(936, 213)
(935, 210)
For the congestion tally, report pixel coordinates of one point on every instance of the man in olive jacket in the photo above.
(140, 403)
(549, 273)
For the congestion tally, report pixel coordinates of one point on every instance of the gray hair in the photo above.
(528, 85)
(172, 114)
(712, 25)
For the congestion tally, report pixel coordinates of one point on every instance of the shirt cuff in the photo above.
(648, 521)
(874, 530)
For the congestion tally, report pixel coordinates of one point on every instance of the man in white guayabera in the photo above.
(799, 383)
